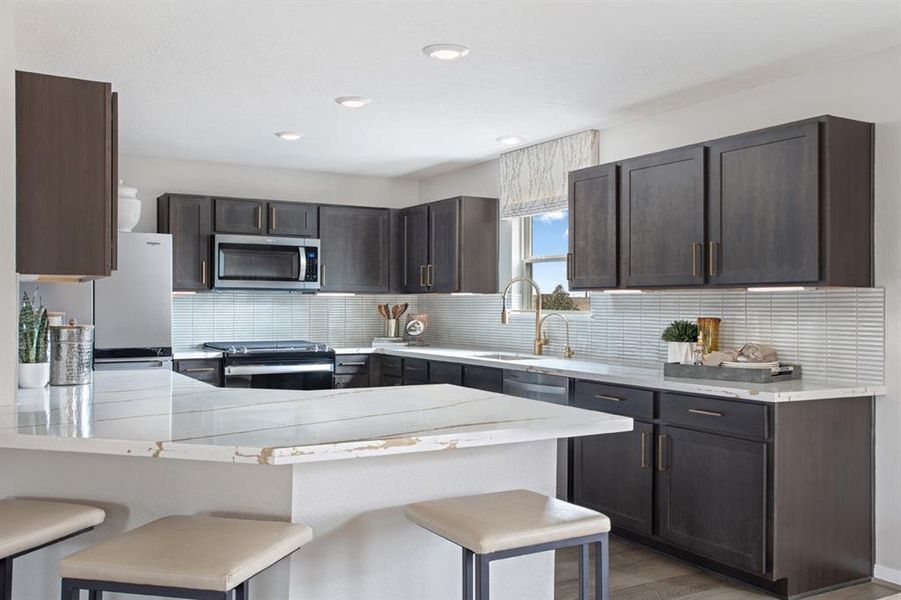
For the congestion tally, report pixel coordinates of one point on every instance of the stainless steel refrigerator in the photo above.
(133, 307)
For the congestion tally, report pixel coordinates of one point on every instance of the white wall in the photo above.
(8, 288)
(866, 88)
(155, 176)
(482, 179)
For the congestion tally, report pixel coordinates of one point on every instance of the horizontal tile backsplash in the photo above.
(835, 334)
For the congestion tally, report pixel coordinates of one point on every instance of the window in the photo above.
(545, 243)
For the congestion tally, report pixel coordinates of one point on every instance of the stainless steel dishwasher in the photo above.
(546, 388)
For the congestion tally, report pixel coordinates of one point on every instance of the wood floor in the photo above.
(637, 573)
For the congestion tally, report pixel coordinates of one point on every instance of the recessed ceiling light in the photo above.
(289, 135)
(510, 140)
(352, 101)
(446, 52)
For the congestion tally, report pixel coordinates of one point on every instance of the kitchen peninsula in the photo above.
(291, 455)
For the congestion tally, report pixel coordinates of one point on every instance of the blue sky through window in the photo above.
(549, 237)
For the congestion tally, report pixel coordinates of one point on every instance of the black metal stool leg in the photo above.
(602, 566)
(583, 572)
(241, 592)
(6, 578)
(467, 574)
(481, 577)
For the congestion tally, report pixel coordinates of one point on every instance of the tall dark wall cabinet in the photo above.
(190, 221)
(786, 205)
(355, 249)
(66, 176)
(451, 246)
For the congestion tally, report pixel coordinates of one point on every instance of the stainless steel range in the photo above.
(282, 365)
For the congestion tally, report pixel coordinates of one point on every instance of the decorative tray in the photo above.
(784, 372)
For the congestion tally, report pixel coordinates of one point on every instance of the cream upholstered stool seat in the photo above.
(28, 525)
(514, 523)
(202, 558)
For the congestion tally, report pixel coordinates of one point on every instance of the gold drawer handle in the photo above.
(661, 442)
(608, 398)
(705, 413)
(644, 454)
(272, 217)
(352, 364)
(200, 369)
(694, 259)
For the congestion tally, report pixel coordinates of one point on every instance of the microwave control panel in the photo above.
(312, 273)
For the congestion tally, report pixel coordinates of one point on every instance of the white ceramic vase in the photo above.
(679, 352)
(129, 207)
(34, 375)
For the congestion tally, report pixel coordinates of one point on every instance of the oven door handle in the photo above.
(278, 369)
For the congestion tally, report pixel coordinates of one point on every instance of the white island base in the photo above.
(364, 547)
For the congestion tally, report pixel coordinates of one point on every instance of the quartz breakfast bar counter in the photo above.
(343, 461)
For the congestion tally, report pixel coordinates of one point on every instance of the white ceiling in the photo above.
(213, 80)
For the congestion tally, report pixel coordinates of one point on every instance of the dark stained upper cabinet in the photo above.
(792, 204)
(451, 246)
(415, 226)
(66, 176)
(234, 215)
(662, 218)
(593, 206)
(355, 247)
(293, 219)
(189, 220)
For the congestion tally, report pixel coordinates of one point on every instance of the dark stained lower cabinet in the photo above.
(712, 493)
(627, 459)
(355, 249)
(483, 378)
(207, 370)
(189, 220)
(445, 372)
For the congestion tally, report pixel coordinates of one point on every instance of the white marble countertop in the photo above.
(786, 391)
(162, 414)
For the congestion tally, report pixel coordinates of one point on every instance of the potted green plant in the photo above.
(680, 337)
(34, 362)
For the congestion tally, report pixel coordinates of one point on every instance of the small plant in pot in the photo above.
(680, 337)
(34, 362)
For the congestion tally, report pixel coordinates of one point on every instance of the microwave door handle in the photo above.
(303, 263)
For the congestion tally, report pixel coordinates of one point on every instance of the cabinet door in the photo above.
(445, 372)
(190, 226)
(443, 271)
(764, 224)
(662, 219)
(483, 378)
(65, 171)
(239, 216)
(416, 248)
(593, 212)
(613, 474)
(354, 247)
(712, 496)
(293, 219)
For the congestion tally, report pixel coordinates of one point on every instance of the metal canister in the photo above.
(71, 353)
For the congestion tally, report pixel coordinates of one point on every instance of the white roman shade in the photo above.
(533, 179)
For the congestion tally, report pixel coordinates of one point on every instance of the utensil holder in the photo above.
(391, 327)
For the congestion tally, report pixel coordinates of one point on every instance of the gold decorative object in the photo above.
(709, 333)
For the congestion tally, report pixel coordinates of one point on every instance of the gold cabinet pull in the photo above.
(661, 442)
(200, 369)
(705, 413)
(203, 272)
(430, 273)
(272, 217)
(712, 248)
(259, 217)
(608, 398)
(321, 276)
(422, 282)
(694, 259)
(356, 363)
(644, 452)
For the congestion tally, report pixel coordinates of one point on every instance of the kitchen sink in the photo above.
(506, 356)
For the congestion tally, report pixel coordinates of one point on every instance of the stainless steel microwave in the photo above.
(265, 263)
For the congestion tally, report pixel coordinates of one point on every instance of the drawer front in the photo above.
(416, 370)
(614, 399)
(445, 372)
(391, 380)
(392, 366)
(205, 370)
(351, 363)
(723, 416)
(483, 378)
(352, 380)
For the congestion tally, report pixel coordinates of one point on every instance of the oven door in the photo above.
(258, 262)
(280, 373)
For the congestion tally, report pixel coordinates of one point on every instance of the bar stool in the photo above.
(502, 525)
(29, 525)
(197, 558)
